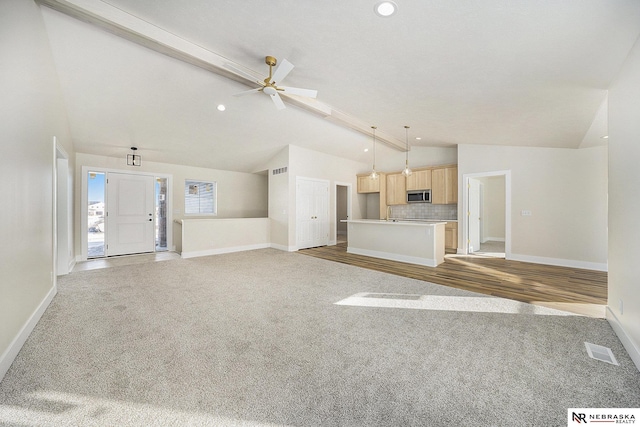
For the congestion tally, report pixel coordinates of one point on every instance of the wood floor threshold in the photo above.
(575, 290)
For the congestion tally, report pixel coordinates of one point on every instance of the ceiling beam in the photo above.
(122, 24)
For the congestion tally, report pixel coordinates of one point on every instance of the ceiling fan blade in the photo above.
(278, 101)
(247, 92)
(241, 73)
(281, 72)
(297, 91)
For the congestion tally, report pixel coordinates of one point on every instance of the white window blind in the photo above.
(200, 197)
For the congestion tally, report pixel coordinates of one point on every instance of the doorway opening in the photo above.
(124, 213)
(487, 228)
(343, 211)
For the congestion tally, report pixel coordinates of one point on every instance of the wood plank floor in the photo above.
(570, 289)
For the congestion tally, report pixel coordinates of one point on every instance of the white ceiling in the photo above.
(531, 73)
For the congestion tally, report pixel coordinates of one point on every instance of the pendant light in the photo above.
(406, 171)
(134, 159)
(374, 174)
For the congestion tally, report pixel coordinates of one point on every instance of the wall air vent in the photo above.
(280, 170)
(598, 352)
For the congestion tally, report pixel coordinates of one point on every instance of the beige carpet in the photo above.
(257, 339)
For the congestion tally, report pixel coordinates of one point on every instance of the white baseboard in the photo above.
(283, 247)
(12, 351)
(631, 347)
(493, 239)
(560, 262)
(228, 250)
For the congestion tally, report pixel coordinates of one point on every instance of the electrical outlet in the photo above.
(525, 213)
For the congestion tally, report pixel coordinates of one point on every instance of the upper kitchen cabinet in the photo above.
(396, 189)
(444, 185)
(368, 185)
(419, 180)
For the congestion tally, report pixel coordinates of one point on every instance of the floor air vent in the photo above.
(601, 353)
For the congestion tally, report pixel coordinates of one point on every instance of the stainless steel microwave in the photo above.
(419, 196)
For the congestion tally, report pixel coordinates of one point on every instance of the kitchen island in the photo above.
(415, 242)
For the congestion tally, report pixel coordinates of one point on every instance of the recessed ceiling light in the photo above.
(221, 107)
(366, 150)
(385, 8)
(418, 138)
(605, 137)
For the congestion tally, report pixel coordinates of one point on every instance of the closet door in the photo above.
(312, 213)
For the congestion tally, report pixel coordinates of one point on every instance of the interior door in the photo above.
(474, 215)
(130, 219)
(312, 213)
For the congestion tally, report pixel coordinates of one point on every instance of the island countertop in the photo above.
(415, 221)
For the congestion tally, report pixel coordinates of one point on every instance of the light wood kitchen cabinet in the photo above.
(451, 235)
(419, 180)
(396, 189)
(368, 185)
(444, 185)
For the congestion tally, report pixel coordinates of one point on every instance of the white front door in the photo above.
(130, 218)
(312, 213)
(474, 215)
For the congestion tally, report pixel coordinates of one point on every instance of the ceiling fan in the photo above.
(269, 84)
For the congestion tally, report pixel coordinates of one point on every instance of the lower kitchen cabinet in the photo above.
(451, 235)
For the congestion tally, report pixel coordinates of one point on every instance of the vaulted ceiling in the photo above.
(531, 73)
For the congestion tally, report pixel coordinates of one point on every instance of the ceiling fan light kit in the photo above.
(269, 84)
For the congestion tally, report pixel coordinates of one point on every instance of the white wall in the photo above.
(565, 190)
(31, 114)
(279, 205)
(202, 237)
(624, 204)
(306, 163)
(240, 195)
(312, 164)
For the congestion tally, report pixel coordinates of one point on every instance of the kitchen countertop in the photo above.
(425, 219)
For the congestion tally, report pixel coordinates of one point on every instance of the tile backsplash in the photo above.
(425, 210)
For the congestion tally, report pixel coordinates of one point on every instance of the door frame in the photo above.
(84, 209)
(470, 240)
(464, 248)
(349, 186)
(62, 236)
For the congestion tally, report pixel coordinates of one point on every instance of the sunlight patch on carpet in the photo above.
(448, 303)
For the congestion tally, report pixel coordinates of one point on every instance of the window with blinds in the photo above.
(200, 197)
